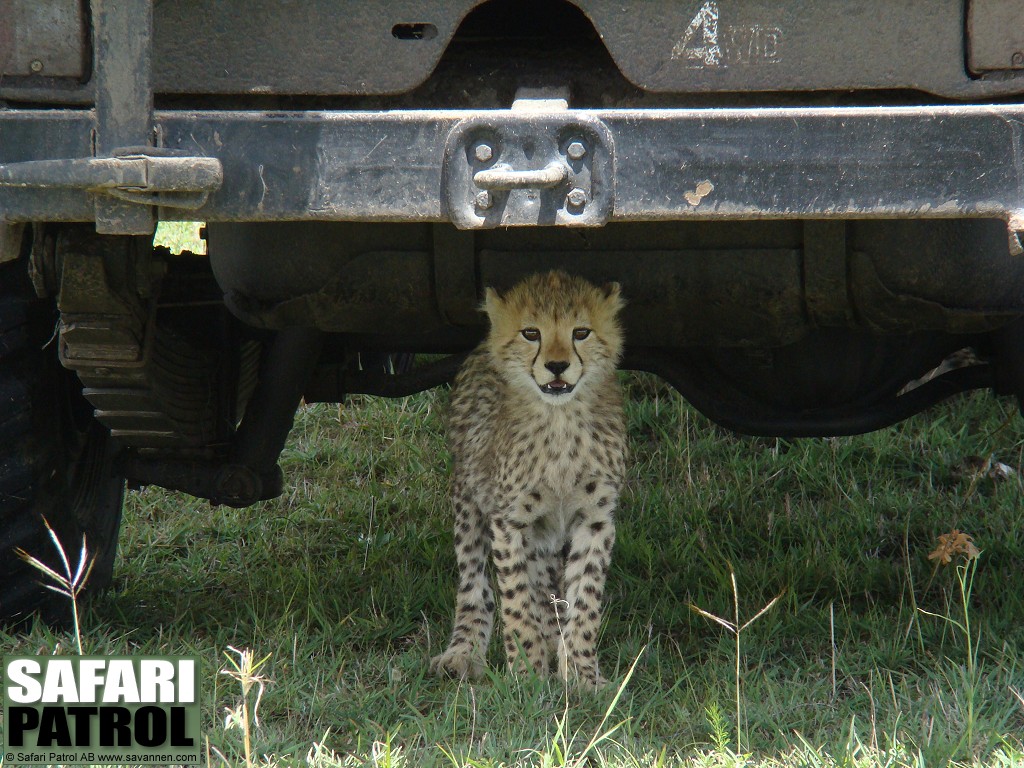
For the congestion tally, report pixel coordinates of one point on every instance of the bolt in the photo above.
(483, 200)
(576, 150)
(1017, 60)
(36, 65)
(483, 152)
(577, 198)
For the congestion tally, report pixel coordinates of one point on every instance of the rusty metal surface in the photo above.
(700, 164)
(921, 162)
(525, 169)
(320, 47)
(766, 45)
(124, 100)
(134, 175)
(11, 241)
(147, 381)
(753, 283)
(696, 46)
(43, 39)
(382, 47)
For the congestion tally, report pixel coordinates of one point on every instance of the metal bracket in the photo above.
(147, 176)
(11, 237)
(526, 168)
(235, 485)
(123, 43)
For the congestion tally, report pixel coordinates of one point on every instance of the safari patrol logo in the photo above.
(101, 710)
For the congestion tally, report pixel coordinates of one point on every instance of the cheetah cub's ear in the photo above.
(613, 293)
(500, 313)
(493, 303)
(605, 307)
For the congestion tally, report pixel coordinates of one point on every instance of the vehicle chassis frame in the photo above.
(956, 161)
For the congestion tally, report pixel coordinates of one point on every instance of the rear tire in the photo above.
(55, 460)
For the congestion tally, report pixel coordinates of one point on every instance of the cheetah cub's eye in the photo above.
(530, 334)
(580, 333)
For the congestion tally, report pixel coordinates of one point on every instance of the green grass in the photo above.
(347, 584)
(180, 236)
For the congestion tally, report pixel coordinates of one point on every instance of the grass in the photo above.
(344, 587)
(315, 615)
(181, 236)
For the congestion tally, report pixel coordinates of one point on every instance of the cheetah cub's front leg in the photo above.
(591, 537)
(474, 607)
(526, 648)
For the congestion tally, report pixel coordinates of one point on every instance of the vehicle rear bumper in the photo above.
(415, 166)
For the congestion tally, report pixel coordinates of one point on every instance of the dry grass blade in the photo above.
(246, 672)
(724, 622)
(763, 611)
(69, 584)
(737, 631)
(600, 734)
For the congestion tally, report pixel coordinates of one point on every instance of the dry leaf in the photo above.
(1000, 471)
(953, 544)
(705, 188)
(962, 358)
(976, 468)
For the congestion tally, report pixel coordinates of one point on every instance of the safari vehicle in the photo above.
(809, 206)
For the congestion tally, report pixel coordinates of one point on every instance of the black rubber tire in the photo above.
(55, 460)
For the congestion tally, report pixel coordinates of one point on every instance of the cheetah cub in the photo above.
(537, 435)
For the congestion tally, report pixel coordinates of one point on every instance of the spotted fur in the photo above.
(537, 435)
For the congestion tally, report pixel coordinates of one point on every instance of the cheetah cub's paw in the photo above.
(583, 674)
(458, 664)
(584, 679)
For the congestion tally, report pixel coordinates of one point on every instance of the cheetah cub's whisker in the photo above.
(537, 435)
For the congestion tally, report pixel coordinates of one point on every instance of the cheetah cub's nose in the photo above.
(557, 367)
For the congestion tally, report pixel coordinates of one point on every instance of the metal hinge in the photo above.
(528, 168)
(143, 175)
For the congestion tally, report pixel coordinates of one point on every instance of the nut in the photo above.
(483, 200)
(483, 152)
(577, 198)
(36, 65)
(1017, 60)
(576, 150)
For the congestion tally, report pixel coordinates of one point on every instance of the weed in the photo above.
(737, 630)
(245, 714)
(68, 584)
(950, 546)
(718, 727)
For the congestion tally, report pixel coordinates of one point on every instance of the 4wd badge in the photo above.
(707, 44)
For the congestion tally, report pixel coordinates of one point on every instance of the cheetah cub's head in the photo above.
(555, 334)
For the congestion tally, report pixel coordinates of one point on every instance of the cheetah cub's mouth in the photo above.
(557, 387)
